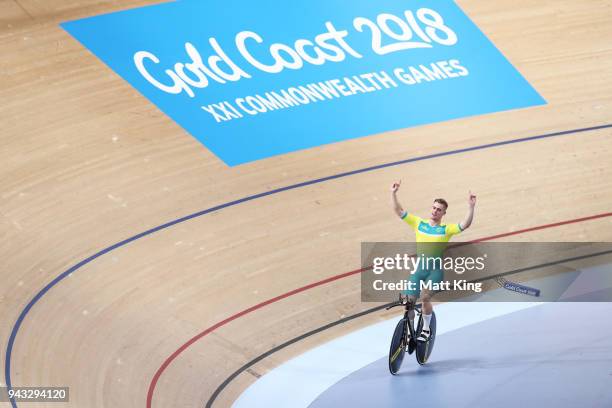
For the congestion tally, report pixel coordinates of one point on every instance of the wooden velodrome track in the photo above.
(87, 162)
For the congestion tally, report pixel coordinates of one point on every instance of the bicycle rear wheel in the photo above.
(398, 347)
(423, 350)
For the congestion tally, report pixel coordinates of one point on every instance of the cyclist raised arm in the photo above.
(465, 224)
(397, 207)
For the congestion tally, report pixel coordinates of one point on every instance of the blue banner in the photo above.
(251, 80)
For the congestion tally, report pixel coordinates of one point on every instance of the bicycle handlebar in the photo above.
(407, 305)
(391, 306)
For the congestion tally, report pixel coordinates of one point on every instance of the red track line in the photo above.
(545, 226)
(212, 328)
(234, 317)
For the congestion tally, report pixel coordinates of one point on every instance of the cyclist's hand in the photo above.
(395, 186)
(472, 200)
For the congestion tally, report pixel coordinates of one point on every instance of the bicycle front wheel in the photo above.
(398, 347)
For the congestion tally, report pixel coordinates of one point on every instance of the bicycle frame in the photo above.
(409, 306)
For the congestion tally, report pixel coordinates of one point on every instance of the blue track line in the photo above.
(59, 278)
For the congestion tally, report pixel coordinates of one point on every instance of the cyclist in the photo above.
(432, 237)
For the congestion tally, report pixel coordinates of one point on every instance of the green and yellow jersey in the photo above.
(431, 239)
